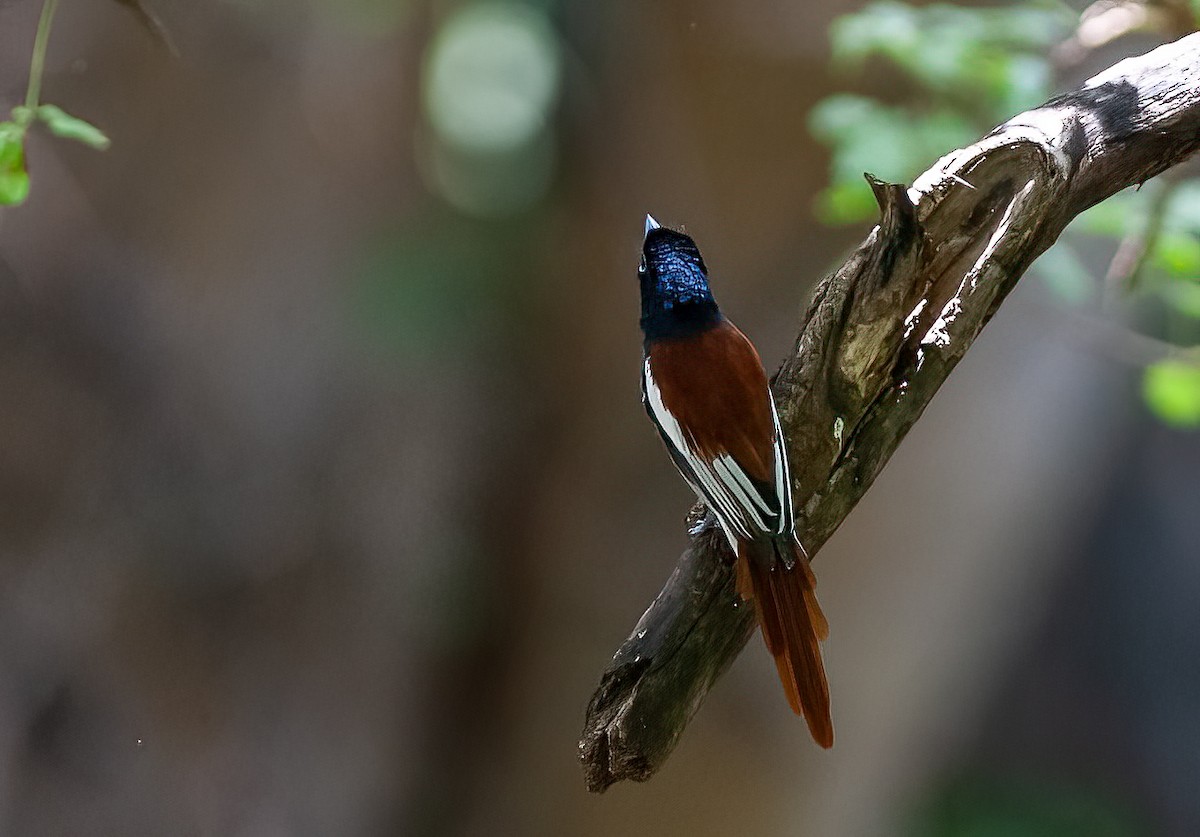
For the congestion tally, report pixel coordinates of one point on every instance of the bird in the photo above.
(705, 389)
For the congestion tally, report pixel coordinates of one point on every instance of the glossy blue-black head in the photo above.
(676, 300)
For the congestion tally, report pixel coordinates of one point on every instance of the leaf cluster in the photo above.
(961, 71)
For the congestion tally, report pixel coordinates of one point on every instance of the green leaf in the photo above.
(1114, 218)
(999, 805)
(839, 116)
(846, 203)
(888, 28)
(62, 124)
(1184, 297)
(1028, 81)
(1172, 391)
(14, 178)
(865, 136)
(893, 144)
(1178, 253)
(989, 60)
(1183, 207)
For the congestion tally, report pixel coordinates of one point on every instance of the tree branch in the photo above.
(879, 338)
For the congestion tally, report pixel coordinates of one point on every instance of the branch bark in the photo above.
(881, 335)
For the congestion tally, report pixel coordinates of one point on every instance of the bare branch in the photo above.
(879, 338)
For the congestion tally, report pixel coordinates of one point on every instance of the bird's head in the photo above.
(676, 300)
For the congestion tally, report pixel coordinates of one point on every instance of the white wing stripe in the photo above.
(718, 497)
(783, 477)
(665, 420)
(722, 483)
(735, 479)
(711, 491)
(747, 490)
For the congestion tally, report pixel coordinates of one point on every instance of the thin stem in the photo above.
(1128, 263)
(38, 63)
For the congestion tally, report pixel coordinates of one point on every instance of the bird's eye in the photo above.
(642, 265)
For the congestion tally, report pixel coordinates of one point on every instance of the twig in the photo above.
(150, 22)
(1125, 270)
(37, 64)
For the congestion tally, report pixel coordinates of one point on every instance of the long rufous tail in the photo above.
(792, 625)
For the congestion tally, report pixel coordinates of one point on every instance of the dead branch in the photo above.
(879, 338)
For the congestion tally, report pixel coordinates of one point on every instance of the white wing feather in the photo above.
(721, 483)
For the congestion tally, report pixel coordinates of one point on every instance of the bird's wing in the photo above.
(746, 507)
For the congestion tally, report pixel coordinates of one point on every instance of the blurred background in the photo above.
(326, 491)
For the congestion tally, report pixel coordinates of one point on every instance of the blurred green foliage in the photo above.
(988, 60)
(867, 135)
(1004, 807)
(1172, 389)
(964, 70)
(436, 288)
